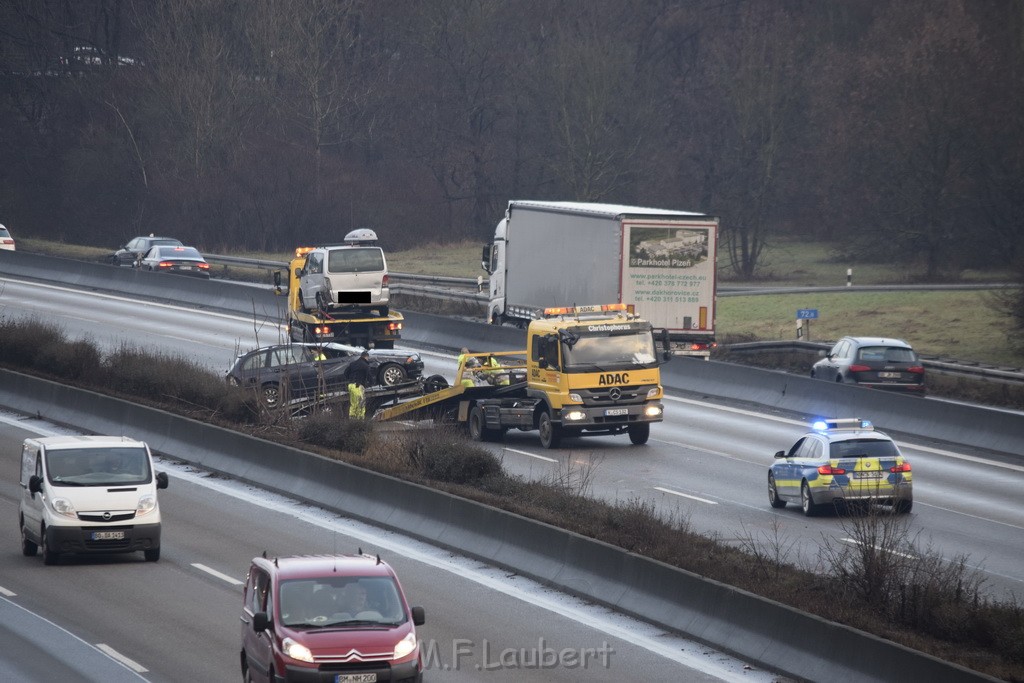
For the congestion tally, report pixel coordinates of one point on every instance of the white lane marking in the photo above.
(532, 455)
(967, 514)
(7, 593)
(902, 444)
(685, 495)
(114, 654)
(701, 449)
(876, 547)
(213, 572)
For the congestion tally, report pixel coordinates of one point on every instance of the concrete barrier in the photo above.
(752, 628)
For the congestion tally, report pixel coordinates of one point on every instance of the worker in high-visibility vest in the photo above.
(358, 376)
(498, 378)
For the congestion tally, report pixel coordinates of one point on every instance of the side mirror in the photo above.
(822, 353)
(542, 362)
(667, 355)
(780, 454)
(161, 480)
(35, 484)
(419, 617)
(260, 622)
(300, 272)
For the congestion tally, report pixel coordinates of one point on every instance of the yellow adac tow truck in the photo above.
(586, 371)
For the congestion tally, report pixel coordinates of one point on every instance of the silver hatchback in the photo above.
(876, 362)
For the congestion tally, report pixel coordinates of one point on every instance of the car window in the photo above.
(353, 260)
(314, 264)
(796, 448)
(255, 362)
(4, 232)
(814, 449)
(863, 448)
(257, 590)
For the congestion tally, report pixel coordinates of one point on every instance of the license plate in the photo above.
(108, 535)
(889, 375)
(868, 475)
(616, 411)
(355, 678)
(185, 267)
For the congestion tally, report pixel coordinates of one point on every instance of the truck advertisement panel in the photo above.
(668, 273)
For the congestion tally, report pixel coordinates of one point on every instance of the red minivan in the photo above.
(328, 619)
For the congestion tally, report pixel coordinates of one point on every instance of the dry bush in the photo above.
(771, 553)
(330, 430)
(22, 342)
(443, 455)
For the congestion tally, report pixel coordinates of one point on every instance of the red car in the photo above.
(328, 619)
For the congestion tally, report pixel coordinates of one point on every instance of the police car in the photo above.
(838, 462)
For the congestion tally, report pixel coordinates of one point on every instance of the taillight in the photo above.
(916, 369)
(165, 264)
(204, 266)
(859, 368)
(828, 469)
(697, 346)
(384, 281)
(902, 467)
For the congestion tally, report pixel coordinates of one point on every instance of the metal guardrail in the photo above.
(935, 363)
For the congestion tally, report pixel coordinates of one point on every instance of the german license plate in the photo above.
(616, 411)
(355, 678)
(889, 375)
(108, 536)
(185, 267)
(868, 475)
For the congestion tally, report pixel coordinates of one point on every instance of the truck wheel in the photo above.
(550, 431)
(391, 374)
(639, 433)
(478, 430)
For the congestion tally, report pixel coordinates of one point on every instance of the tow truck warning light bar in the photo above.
(597, 308)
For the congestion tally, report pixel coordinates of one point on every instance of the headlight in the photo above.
(405, 646)
(652, 393)
(63, 506)
(573, 415)
(147, 503)
(575, 398)
(297, 651)
(652, 411)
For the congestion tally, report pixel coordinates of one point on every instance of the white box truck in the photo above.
(662, 262)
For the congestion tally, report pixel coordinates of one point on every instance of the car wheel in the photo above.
(434, 383)
(271, 395)
(28, 547)
(904, 505)
(302, 307)
(806, 501)
(152, 554)
(773, 493)
(550, 432)
(50, 557)
(639, 433)
(391, 374)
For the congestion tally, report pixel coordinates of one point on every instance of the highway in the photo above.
(178, 619)
(705, 466)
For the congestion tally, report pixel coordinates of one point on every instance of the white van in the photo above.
(89, 494)
(351, 276)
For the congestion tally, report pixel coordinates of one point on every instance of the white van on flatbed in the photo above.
(89, 494)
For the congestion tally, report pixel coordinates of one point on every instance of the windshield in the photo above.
(603, 351)
(341, 601)
(98, 466)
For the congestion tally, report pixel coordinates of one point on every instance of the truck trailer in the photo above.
(661, 262)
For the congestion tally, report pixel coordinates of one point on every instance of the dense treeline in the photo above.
(894, 127)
